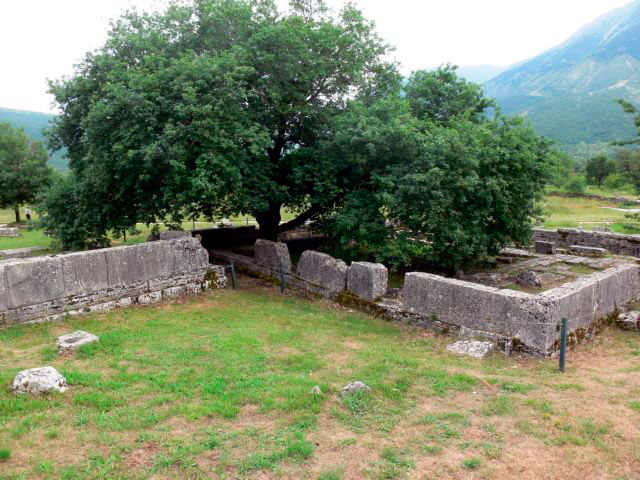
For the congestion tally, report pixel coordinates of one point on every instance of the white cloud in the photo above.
(42, 39)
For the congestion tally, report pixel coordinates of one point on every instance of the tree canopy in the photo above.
(23, 168)
(222, 107)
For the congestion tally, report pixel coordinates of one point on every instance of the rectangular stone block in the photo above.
(502, 312)
(367, 280)
(587, 251)
(174, 234)
(9, 232)
(4, 289)
(149, 298)
(545, 248)
(271, 255)
(84, 272)
(190, 256)
(174, 292)
(323, 270)
(125, 266)
(34, 280)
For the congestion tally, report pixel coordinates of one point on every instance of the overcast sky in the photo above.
(42, 39)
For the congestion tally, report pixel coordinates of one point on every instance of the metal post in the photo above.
(563, 344)
(282, 280)
(233, 275)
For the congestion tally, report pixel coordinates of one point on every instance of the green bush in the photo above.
(616, 181)
(576, 184)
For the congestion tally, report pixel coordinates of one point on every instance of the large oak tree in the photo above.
(208, 108)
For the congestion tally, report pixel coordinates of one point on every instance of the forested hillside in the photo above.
(568, 92)
(33, 123)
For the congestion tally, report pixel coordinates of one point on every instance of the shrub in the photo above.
(616, 181)
(576, 184)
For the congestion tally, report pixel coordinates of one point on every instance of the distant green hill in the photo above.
(33, 123)
(568, 92)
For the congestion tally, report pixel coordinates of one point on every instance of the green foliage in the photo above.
(471, 463)
(599, 168)
(615, 181)
(73, 223)
(24, 173)
(5, 454)
(576, 184)
(451, 193)
(34, 124)
(211, 108)
(628, 164)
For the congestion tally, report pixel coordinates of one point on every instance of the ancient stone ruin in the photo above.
(9, 231)
(568, 238)
(46, 288)
(493, 305)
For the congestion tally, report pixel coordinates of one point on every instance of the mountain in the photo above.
(568, 92)
(33, 123)
(480, 73)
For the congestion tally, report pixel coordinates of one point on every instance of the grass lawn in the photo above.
(587, 214)
(219, 386)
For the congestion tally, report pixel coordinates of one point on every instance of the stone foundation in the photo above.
(47, 288)
(566, 238)
(513, 319)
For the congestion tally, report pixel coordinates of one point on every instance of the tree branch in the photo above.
(300, 219)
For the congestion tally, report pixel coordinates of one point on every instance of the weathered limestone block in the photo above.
(472, 348)
(39, 381)
(73, 341)
(592, 297)
(150, 298)
(323, 270)
(19, 252)
(538, 279)
(190, 256)
(84, 272)
(354, 387)
(34, 280)
(271, 255)
(367, 280)
(486, 309)
(9, 232)
(587, 251)
(217, 277)
(629, 321)
(174, 234)
(545, 248)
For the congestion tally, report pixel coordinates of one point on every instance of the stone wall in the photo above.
(613, 242)
(45, 288)
(511, 318)
(531, 321)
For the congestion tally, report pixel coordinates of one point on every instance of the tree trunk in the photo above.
(17, 210)
(269, 222)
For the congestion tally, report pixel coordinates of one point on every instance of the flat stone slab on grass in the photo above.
(270, 255)
(629, 321)
(472, 348)
(367, 280)
(73, 341)
(19, 252)
(9, 232)
(354, 387)
(39, 381)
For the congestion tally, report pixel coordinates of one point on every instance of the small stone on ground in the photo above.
(316, 390)
(472, 348)
(629, 321)
(73, 341)
(39, 381)
(354, 387)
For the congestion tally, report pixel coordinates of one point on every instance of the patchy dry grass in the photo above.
(219, 386)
